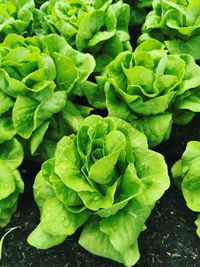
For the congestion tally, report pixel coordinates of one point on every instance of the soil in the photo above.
(170, 239)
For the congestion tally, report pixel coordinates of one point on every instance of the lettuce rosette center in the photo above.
(97, 27)
(101, 149)
(64, 16)
(146, 74)
(15, 17)
(151, 88)
(175, 22)
(25, 65)
(37, 76)
(182, 17)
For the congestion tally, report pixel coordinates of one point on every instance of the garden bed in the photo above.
(169, 240)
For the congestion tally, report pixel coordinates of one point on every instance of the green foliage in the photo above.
(186, 175)
(99, 173)
(16, 17)
(98, 27)
(176, 22)
(150, 89)
(104, 178)
(38, 76)
(11, 184)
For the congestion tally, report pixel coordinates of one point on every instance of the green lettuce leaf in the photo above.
(98, 243)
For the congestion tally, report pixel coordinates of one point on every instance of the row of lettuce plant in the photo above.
(177, 25)
(99, 173)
